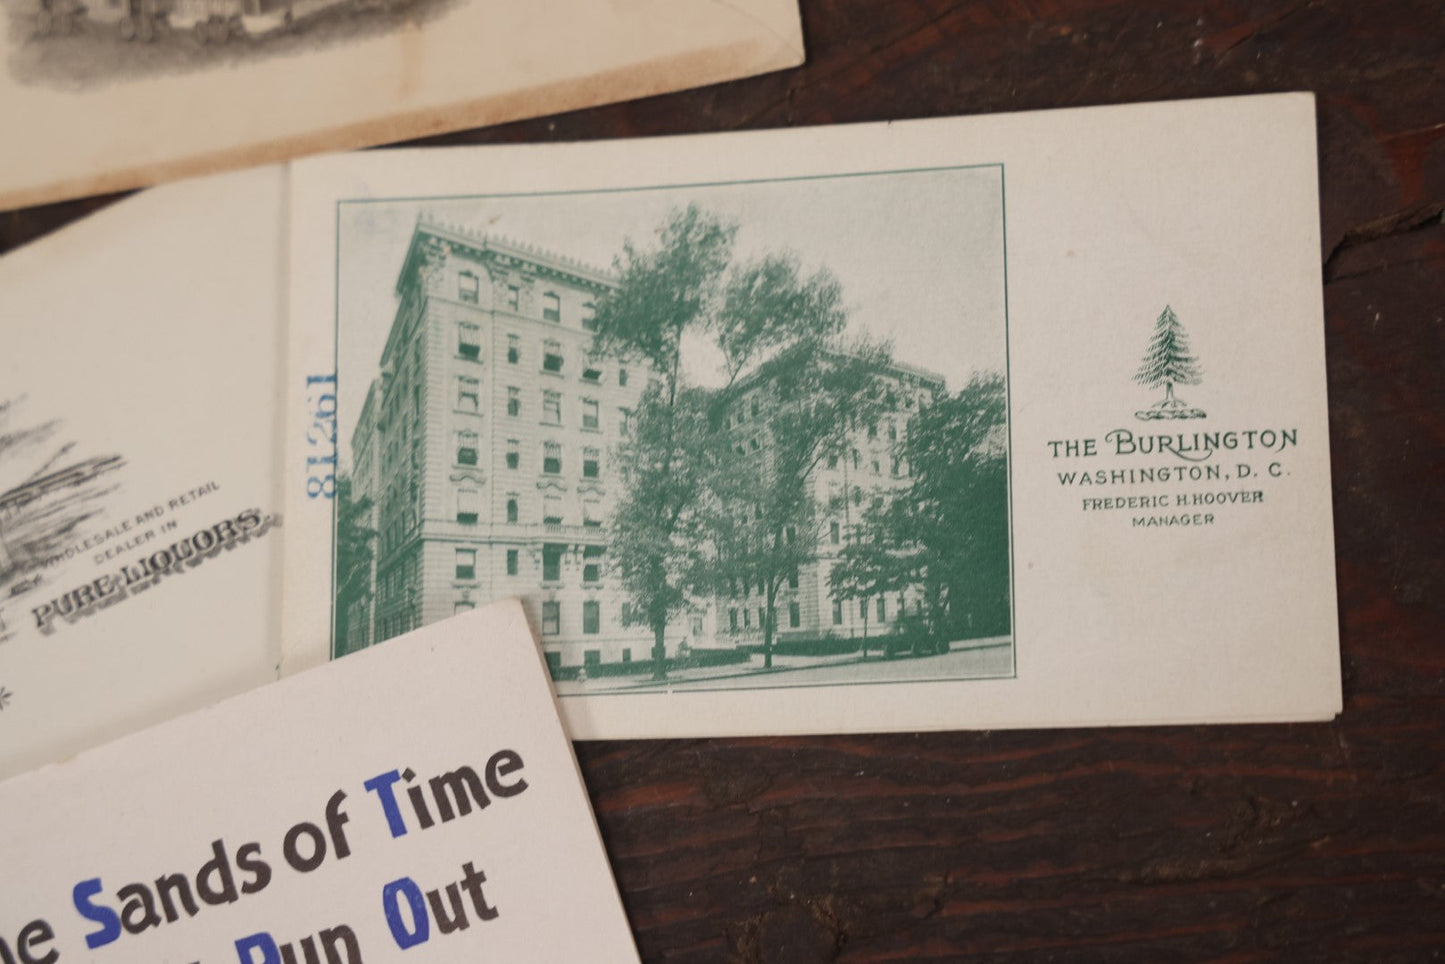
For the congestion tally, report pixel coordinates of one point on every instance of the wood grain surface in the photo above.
(1257, 843)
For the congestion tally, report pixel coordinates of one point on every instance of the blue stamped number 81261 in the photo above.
(321, 436)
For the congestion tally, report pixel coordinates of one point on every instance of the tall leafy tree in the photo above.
(1167, 361)
(800, 405)
(665, 292)
(869, 564)
(948, 532)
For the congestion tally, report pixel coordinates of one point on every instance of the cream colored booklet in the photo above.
(102, 95)
(978, 422)
(139, 482)
(421, 798)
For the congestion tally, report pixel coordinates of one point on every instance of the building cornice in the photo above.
(503, 252)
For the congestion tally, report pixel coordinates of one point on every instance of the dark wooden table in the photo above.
(1298, 843)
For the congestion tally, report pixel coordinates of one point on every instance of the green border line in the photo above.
(336, 364)
(1008, 392)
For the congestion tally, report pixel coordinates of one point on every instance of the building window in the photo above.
(466, 563)
(696, 626)
(591, 463)
(882, 609)
(468, 287)
(552, 408)
(626, 654)
(589, 316)
(622, 377)
(790, 535)
(762, 618)
(591, 514)
(552, 458)
(592, 658)
(551, 307)
(552, 510)
(591, 617)
(468, 394)
(835, 532)
(897, 467)
(892, 431)
(469, 340)
(590, 417)
(747, 619)
(552, 561)
(551, 618)
(624, 422)
(877, 467)
(466, 448)
(627, 614)
(514, 349)
(733, 620)
(863, 609)
(793, 579)
(514, 454)
(514, 297)
(833, 461)
(511, 510)
(552, 356)
(592, 563)
(514, 401)
(592, 375)
(857, 459)
(513, 561)
(837, 612)
(795, 615)
(468, 503)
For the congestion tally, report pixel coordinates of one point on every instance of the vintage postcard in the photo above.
(139, 501)
(1000, 421)
(263, 830)
(100, 95)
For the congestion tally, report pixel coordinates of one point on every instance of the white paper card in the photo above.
(422, 798)
(139, 489)
(1085, 481)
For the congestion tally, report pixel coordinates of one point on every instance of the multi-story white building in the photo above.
(486, 445)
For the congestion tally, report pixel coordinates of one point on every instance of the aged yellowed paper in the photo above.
(112, 94)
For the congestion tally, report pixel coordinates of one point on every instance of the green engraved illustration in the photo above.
(1167, 362)
(701, 467)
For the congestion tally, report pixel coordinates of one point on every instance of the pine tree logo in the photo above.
(1168, 363)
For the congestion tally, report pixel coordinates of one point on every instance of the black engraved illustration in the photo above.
(50, 492)
(79, 44)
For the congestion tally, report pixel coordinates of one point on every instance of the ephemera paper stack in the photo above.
(980, 422)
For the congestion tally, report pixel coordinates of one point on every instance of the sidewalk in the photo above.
(752, 668)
